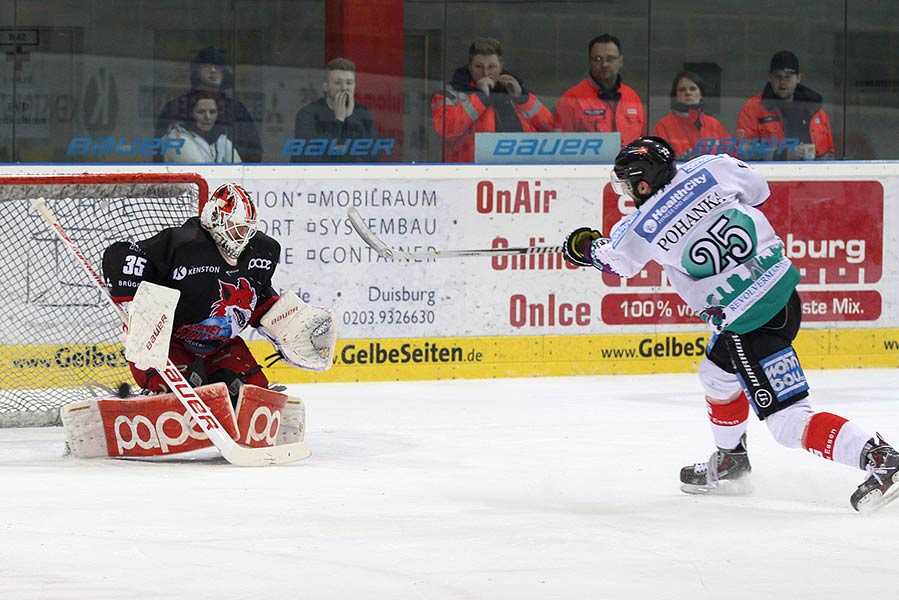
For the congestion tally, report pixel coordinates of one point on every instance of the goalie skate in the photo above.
(725, 473)
(879, 489)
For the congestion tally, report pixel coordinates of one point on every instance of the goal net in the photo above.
(60, 341)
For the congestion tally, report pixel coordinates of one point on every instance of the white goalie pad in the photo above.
(293, 422)
(304, 335)
(150, 318)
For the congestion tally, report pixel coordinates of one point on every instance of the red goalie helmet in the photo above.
(230, 218)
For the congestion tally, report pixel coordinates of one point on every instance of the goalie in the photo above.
(191, 290)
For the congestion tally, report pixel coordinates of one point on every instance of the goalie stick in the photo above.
(200, 412)
(395, 254)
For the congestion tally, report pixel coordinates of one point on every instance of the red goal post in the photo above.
(59, 340)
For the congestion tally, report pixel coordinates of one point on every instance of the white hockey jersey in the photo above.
(718, 251)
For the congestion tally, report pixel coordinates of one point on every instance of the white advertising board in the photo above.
(838, 221)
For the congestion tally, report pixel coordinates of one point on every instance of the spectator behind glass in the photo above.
(687, 123)
(205, 140)
(208, 73)
(483, 97)
(601, 102)
(336, 116)
(786, 109)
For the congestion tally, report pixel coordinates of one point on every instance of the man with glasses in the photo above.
(601, 102)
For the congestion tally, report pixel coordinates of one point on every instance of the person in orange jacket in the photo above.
(601, 102)
(786, 112)
(687, 123)
(483, 97)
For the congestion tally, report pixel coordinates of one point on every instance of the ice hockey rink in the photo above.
(492, 489)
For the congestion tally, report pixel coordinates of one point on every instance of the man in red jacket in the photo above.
(601, 102)
(483, 97)
(786, 121)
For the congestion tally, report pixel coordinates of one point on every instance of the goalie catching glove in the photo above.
(303, 335)
(577, 246)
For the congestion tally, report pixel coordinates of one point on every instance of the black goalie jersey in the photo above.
(217, 301)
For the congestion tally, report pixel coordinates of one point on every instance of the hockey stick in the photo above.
(395, 254)
(199, 411)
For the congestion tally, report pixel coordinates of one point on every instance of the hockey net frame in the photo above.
(60, 342)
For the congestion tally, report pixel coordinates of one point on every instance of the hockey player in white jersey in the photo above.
(702, 224)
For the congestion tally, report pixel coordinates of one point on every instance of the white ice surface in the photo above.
(500, 489)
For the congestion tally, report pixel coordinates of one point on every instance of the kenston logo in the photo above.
(181, 272)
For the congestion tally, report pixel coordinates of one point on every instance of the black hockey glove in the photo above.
(577, 245)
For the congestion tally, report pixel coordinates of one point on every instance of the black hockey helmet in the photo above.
(649, 159)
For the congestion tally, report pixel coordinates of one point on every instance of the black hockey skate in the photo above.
(724, 473)
(881, 461)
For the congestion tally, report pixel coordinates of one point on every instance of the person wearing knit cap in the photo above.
(209, 73)
(786, 110)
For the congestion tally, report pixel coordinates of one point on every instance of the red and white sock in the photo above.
(728, 421)
(834, 438)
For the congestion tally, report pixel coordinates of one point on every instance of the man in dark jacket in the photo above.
(208, 73)
(335, 117)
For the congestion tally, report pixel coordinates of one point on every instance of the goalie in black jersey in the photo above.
(212, 276)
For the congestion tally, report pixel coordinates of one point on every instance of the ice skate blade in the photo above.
(727, 487)
(874, 502)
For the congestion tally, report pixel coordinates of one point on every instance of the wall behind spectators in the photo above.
(103, 69)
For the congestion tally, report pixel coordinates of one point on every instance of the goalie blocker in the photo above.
(150, 319)
(148, 426)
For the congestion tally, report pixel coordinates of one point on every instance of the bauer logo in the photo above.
(104, 146)
(546, 147)
(333, 148)
(785, 374)
(750, 148)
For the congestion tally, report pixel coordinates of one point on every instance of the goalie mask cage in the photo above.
(60, 341)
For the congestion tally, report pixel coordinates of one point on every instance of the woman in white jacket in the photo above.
(204, 140)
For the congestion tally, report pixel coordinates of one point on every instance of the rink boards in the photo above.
(613, 354)
(489, 357)
(532, 315)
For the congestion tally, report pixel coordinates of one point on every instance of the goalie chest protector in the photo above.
(218, 300)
